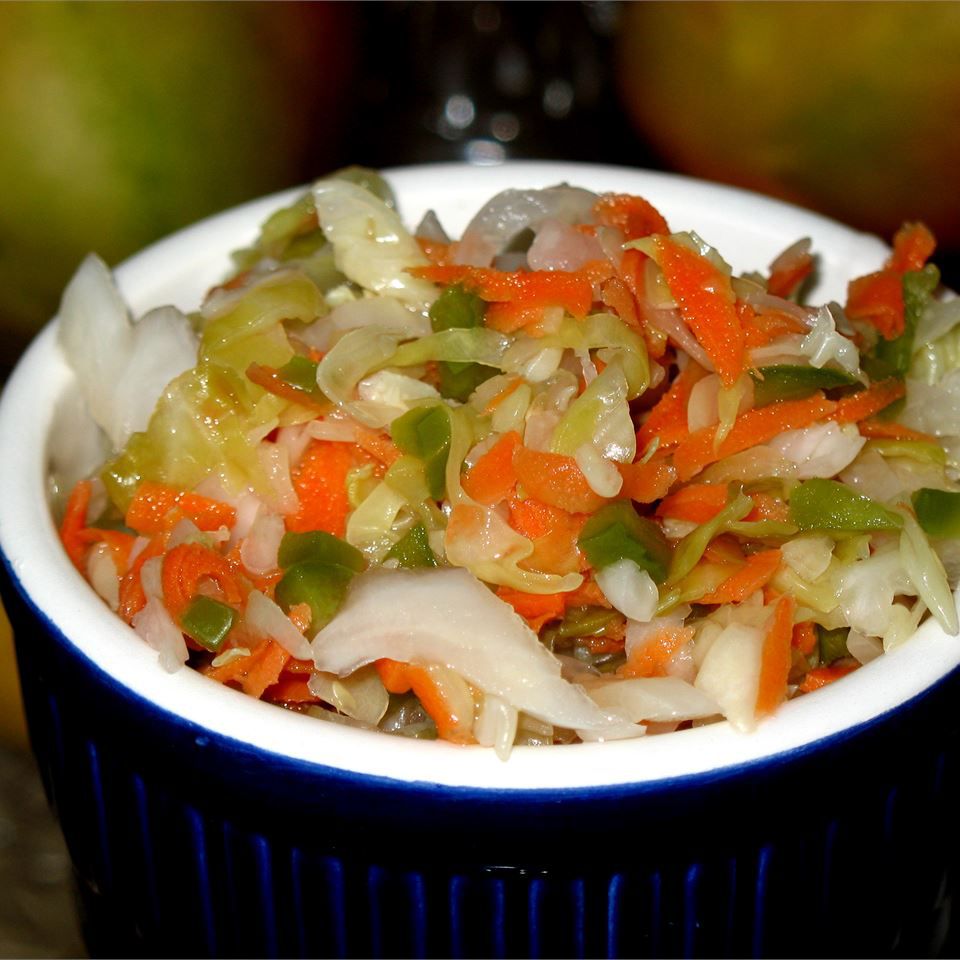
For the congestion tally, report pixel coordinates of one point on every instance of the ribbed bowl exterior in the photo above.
(188, 843)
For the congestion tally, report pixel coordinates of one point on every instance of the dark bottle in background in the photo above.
(486, 81)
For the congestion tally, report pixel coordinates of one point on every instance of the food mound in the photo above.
(565, 478)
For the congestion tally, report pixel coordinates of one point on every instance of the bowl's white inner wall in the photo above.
(749, 232)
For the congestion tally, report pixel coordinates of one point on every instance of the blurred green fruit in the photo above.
(124, 121)
(849, 108)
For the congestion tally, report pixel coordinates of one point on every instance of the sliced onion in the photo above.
(511, 212)
(629, 589)
(361, 696)
(155, 625)
(496, 725)
(265, 620)
(730, 673)
(260, 547)
(560, 246)
(659, 699)
(601, 474)
(446, 616)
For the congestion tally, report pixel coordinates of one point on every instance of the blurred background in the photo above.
(125, 121)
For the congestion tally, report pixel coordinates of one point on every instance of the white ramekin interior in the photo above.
(748, 230)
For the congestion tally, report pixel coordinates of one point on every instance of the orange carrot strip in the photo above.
(877, 299)
(880, 429)
(536, 609)
(706, 300)
(436, 251)
(651, 659)
(555, 479)
(760, 328)
(151, 506)
(752, 576)
(554, 534)
(492, 477)
(616, 295)
(74, 523)
(320, 481)
(751, 428)
(867, 403)
(776, 659)
(400, 677)
(667, 420)
(821, 676)
(255, 673)
(377, 444)
(804, 637)
(783, 282)
(633, 215)
(913, 245)
(572, 290)
(271, 380)
(185, 566)
(646, 482)
(291, 690)
(132, 598)
(696, 502)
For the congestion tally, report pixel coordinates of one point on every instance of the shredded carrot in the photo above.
(869, 402)
(132, 598)
(588, 594)
(752, 427)
(153, 504)
(290, 690)
(696, 502)
(377, 444)
(913, 245)
(784, 282)
(633, 215)
(271, 380)
(652, 657)
(760, 328)
(555, 479)
(74, 523)
(320, 482)
(706, 300)
(185, 566)
(877, 299)
(572, 290)
(804, 637)
(775, 659)
(880, 429)
(553, 532)
(492, 478)
(255, 673)
(646, 482)
(766, 506)
(821, 676)
(536, 609)
(616, 295)
(667, 420)
(752, 576)
(402, 677)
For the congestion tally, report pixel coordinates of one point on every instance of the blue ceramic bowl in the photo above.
(203, 823)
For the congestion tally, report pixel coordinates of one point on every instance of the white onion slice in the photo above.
(265, 620)
(448, 617)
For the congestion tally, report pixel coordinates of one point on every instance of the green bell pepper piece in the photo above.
(617, 532)
(322, 586)
(413, 549)
(833, 644)
(938, 512)
(425, 432)
(820, 504)
(317, 546)
(208, 621)
(793, 382)
(894, 356)
(301, 373)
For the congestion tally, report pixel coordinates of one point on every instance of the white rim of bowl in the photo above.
(747, 228)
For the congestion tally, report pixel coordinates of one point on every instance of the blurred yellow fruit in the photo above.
(124, 121)
(849, 108)
(13, 730)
